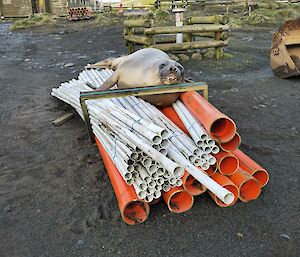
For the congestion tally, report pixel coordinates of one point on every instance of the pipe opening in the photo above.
(152, 169)
(228, 165)
(130, 162)
(250, 190)
(215, 149)
(163, 151)
(135, 212)
(180, 201)
(223, 129)
(205, 166)
(204, 137)
(160, 171)
(193, 186)
(212, 160)
(262, 176)
(151, 184)
(158, 187)
(142, 194)
(178, 172)
(200, 143)
(197, 162)
(232, 145)
(164, 143)
(157, 140)
(149, 198)
(234, 190)
(165, 134)
(157, 194)
(210, 142)
(179, 182)
(130, 168)
(229, 198)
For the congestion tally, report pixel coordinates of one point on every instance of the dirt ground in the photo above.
(55, 195)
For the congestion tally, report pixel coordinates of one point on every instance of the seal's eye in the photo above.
(162, 65)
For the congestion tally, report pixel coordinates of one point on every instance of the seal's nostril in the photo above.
(171, 69)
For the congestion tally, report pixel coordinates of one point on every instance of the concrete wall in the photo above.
(15, 8)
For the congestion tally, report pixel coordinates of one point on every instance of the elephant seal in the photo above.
(143, 68)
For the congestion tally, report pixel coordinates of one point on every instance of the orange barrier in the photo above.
(232, 145)
(218, 125)
(250, 166)
(227, 163)
(133, 210)
(178, 200)
(191, 185)
(226, 183)
(249, 187)
(173, 116)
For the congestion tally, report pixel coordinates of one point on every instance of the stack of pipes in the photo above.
(235, 170)
(169, 152)
(79, 13)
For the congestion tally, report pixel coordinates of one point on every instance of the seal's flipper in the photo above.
(105, 64)
(110, 63)
(108, 83)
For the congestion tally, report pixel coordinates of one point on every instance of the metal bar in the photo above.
(141, 91)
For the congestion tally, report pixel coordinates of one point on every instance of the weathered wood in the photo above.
(16, 8)
(216, 19)
(186, 29)
(224, 35)
(62, 119)
(190, 45)
(138, 23)
(168, 39)
(218, 49)
(138, 39)
(130, 45)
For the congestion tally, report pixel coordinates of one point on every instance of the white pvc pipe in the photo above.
(193, 122)
(157, 194)
(223, 194)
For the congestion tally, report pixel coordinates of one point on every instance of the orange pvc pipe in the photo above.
(219, 126)
(249, 187)
(232, 145)
(173, 116)
(191, 185)
(226, 183)
(133, 210)
(178, 200)
(250, 166)
(227, 163)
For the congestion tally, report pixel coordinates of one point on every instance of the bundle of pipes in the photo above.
(79, 13)
(173, 152)
(236, 171)
(150, 153)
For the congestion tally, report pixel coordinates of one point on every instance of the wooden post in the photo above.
(218, 49)
(130, 44)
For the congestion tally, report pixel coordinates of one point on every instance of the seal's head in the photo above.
(171, 72)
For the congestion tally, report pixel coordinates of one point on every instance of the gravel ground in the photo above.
(55, 195)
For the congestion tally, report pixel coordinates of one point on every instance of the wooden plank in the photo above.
(190, 45)
(138, 39)
(186, 29)
(62, 119)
